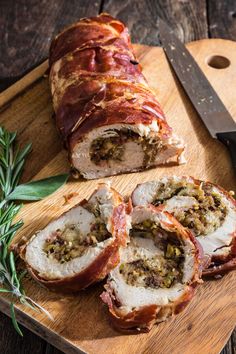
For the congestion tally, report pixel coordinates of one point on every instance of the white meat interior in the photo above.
(51, 268)
(133, 155)
(131, 296)
(216, 242)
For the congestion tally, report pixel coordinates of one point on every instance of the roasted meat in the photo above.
(82, 245)
(108, 117)
(204, 208)
(157, 273)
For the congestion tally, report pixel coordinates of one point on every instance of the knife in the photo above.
(204, 98)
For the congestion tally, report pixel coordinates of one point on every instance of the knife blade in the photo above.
(204, 98)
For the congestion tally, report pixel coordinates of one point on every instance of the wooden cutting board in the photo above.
(81, 322)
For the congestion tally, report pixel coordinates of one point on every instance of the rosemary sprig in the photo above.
(12, 161)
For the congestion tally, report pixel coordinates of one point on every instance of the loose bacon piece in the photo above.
(96, 260)
(97, 86)
(219, 241)
(136, 304)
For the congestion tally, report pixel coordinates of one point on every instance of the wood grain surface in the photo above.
(187, 18)
(222, 19)
(21, 20)
(27, 28)
(81, 321)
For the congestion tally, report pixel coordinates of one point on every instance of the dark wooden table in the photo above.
(26, 29)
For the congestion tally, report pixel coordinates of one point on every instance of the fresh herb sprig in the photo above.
(12, 161)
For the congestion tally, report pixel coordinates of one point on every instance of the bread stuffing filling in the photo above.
(68, 243)
(160, 271)
(206, 214)
(113, 147)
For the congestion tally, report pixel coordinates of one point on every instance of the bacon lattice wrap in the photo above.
(82, 245)
(107, 115)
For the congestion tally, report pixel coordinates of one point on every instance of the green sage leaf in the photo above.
(38, 190)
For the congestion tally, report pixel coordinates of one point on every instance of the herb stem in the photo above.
(11, 167)
(12, 162)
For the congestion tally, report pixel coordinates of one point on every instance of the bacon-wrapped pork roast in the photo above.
(107, 115)
(82, 245)
(206, 209)
(157, 273)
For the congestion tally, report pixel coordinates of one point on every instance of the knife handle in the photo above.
(229, 140)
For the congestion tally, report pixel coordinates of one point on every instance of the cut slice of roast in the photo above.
(82, 245)
(205, 208)
(107, 115)
(157, 273)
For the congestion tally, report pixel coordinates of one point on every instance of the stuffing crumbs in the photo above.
(64, 245)
(113, 148)
(161, 271)
(207, 212)
(68, 197)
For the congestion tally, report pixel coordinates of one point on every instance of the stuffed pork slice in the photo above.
(81, 246)
(157, 273)
(206, 209)
(121, 148)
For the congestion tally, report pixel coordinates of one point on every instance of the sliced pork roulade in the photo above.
(206, 209)
(81, 246)
(107, 115)
(157, 273)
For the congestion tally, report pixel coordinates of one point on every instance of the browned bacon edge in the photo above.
(218, 265)
(142, 319)
(98, 52)
(102, 265)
